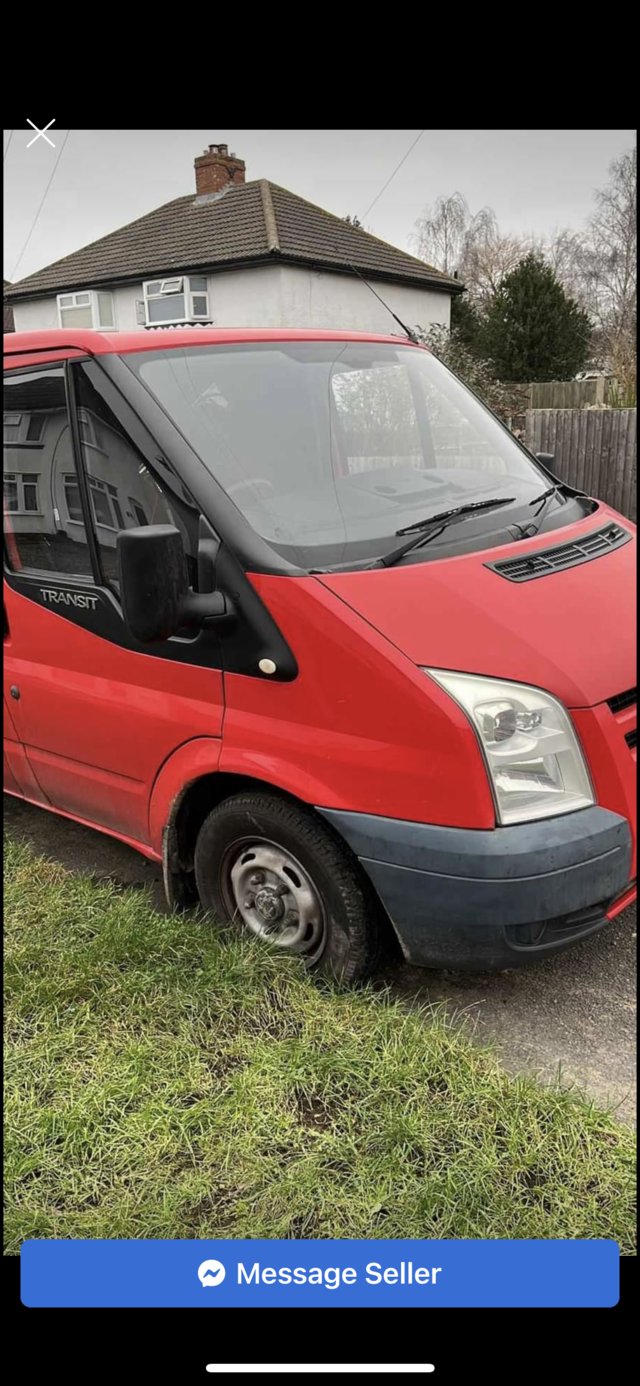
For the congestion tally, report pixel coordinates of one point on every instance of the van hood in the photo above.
(570, 632)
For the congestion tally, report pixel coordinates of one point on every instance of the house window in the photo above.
(21, 493)
(106, 509)
(86, 308)
(117, 509)
(35, 428)
(88, 430)
(23, 430)
(10, 492)
(72, 498)
(182, 299)
(138, 511)
(101, 503)
(11, 429)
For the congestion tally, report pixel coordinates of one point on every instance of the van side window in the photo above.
(123, 491)
(43, 532)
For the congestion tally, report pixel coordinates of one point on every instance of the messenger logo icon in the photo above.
(211, 1273)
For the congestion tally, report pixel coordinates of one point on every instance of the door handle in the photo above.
(15, 691)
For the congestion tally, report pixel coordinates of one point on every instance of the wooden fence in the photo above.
(571, 394)
(594, 449)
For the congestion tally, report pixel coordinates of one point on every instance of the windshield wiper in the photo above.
(546, 495)
(423, 531)
(542, 501)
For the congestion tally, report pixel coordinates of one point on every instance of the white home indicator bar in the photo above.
(319, 1368)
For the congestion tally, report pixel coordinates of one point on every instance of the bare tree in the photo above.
(565, 252)
(597, 267)
(451, 237)
(488, 255)
(441, 231)
(611, 268)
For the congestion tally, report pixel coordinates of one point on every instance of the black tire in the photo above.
(352, 931)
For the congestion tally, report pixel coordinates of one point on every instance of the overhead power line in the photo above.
(42, 202)
(392, 175)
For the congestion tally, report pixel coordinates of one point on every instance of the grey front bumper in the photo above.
(461, 898)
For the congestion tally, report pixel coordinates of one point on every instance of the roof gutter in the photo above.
(274, 254)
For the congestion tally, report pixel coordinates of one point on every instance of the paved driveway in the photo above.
(573, 1014)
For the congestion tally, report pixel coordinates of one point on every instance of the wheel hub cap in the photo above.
(268, 905)
(275, 897)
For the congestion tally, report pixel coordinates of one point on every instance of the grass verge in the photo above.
(163, 1082)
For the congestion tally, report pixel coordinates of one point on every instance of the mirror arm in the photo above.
(208, 550)
(206, 609)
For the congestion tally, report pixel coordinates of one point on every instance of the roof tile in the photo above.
(8, 324)
(249, 222)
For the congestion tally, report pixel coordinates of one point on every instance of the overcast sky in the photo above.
(536, 180)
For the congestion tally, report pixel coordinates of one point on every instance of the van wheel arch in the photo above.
(188, 813)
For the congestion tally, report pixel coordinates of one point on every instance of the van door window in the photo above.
(123, 490)
(43, 519)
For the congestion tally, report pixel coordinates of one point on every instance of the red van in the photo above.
(293, 614)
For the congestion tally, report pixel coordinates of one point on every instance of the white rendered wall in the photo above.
(277, 296)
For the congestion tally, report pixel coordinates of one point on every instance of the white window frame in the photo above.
(12, 418)
(175, 284)
(137, 505)
(40, 419)
(72, 477)
(87, 298)
(89, 435)
(22, 420)
(19, 479)
(95, 483)
(116, 507)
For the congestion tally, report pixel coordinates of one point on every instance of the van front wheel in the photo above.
(273, 869)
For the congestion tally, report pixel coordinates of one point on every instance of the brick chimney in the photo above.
(216, 169)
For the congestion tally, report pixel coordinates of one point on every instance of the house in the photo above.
(7, 312)
(234, 253)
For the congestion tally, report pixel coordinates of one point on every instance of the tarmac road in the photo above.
(573, 1014)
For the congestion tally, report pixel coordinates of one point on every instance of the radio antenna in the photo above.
(407, 330)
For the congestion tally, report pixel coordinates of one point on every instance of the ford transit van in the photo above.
(294, 615)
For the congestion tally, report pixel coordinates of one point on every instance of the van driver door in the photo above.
(96, 713)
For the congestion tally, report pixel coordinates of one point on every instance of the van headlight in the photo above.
(535, 763)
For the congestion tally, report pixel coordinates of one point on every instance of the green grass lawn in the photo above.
(162, 1082)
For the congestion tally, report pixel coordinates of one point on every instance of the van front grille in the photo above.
(622, 700)
(623, 707)
(556, 560)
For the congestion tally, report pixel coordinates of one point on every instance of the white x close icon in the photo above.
(40, 133)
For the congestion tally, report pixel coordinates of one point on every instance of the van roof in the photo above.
(158, 339)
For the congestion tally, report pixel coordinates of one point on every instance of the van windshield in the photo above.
(330, 447)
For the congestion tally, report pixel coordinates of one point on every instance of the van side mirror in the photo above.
(546, 458)
(156, 598)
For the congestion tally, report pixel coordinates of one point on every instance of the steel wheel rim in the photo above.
(265, 886)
